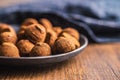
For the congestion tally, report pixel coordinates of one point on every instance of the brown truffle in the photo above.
(46, 23)
(25, 24)
(3, 27)
(63, 45)
(7, 33)
(8, 37)
(73, 39)
(36, 33)
(50, 38)
(25, 46)
(6, 28)
(9, 50)
(58, 30)
(23, 27)
(41, 49)
(73, 32)
(29, 21)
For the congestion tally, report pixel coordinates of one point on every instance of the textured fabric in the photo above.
(98, 20)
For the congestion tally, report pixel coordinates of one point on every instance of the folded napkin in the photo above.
(98, 20)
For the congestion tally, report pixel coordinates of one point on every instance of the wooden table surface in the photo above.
(96, 62)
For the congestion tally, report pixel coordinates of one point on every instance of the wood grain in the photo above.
(96, 62)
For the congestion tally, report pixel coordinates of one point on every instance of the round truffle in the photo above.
(9, 50)
(25, 46)
(46, 23)
(73, 32)
(8, 37)
(29, 21)
(63, 45)
(58, 30)
(6, 28)
(73, 39)
(50, 38)
(36, 33)
(41, 49)
(25, 24)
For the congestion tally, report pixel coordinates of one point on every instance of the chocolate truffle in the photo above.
(73, 32)
(25, 46)
(36, 33)
(9, 50)
(41, 49)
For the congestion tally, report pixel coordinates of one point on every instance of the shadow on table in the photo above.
(28, 70)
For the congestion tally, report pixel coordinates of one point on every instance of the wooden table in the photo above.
(96, 62)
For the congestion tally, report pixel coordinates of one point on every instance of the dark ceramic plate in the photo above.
(41, 61)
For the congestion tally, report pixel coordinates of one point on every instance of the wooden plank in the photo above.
(96, 62)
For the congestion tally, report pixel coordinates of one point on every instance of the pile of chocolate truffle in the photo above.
(37, 38)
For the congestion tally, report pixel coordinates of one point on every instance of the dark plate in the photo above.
(41, 61)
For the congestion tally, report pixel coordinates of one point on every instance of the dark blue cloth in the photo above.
(98, 20)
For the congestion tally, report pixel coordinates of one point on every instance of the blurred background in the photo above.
(101, 16)
(101, 7)
(4, 3)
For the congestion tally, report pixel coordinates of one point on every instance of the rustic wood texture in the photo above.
(96, 62)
